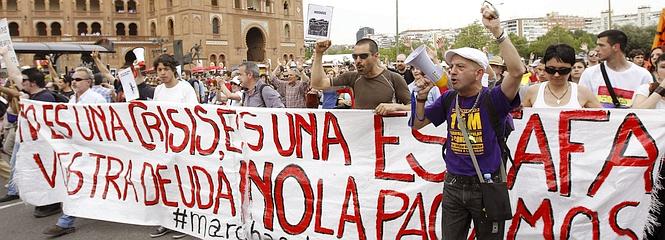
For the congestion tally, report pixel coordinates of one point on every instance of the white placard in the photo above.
(318, 21)
(128, 84)
(6, 40)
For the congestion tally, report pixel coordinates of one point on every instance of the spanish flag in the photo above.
(442, 84)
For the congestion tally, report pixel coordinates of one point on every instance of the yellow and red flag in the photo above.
(659, 39)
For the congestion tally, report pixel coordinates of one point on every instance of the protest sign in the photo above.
(247, 173)
(128, 84)
(319, 19)
(6, 41)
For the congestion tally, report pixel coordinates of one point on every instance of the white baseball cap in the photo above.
(468, 53)
(235, 80)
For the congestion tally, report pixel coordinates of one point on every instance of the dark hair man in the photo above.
(624, 76)
(374, 87)
(637, 57)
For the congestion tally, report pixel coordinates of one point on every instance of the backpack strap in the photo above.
(499, 127)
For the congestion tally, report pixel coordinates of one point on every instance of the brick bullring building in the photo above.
(228, 32)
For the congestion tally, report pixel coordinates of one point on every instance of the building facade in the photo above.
(223, 33)
(364, 32)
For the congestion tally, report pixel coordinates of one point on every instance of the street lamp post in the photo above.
(609, 14)
(396, 27)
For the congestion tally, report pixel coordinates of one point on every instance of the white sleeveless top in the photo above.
(540, 98)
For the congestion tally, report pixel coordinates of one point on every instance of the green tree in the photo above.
(556, 35)
(520, 43)
(638, 37)
(584, 38)
(474, 36)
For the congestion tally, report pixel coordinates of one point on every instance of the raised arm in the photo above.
(100, 65)
(319, 78)
(227, 92)
(13, 72)
(51, 70)
(511, 84)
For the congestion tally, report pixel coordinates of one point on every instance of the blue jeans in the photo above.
(462, 203)
(65, 221)
(12, 189)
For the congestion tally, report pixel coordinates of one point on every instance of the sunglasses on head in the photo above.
(561, 71)
(362, 56)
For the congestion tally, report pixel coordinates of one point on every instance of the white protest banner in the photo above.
(318, 23)
(6, 41)
(245, 173)
(128, 84)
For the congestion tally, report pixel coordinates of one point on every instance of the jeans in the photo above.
(65, 221)
(13, 189)
(462, 203)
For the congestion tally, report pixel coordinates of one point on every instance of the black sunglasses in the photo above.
(362, 56)
(80, 79)
(561, 71)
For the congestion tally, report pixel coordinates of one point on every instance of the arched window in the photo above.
(41, 29)
(133, 29)
(286, 8)
(287, 31)
(40, 5)
(94, 5)
(131, 6)
(119, 6)
(120, 29)
(215, 25)
(221, 61)
(80, 5)
(268, 6)
(213, 60)
(56, 29)
(54, 5)
(253, 5)
(171, 27)
(214, 3)
(11, 5)
(82, 28)
(96, 28)
(153, 29)
(237, 4)
(13, 29)
(151, 5)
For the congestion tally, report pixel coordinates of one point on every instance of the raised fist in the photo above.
(322, 45)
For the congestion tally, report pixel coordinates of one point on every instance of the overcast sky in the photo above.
(350, 15)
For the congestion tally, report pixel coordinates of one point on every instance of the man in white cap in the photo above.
(479, 107)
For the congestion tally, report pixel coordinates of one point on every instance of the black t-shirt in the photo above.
(67, 94)
(43, 95)
(145, 91)
(407, 75)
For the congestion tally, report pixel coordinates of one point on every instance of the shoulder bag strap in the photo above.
(462, 126)
(608, 84)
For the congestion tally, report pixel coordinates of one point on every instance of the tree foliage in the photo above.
(638, 37)
(474, 36)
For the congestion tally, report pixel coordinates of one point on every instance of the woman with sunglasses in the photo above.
(557, 91)
(653, 95)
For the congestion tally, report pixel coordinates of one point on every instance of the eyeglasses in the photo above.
(561, 71)
(362, 56)
(80, 79)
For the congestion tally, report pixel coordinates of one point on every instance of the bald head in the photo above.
(400, 62)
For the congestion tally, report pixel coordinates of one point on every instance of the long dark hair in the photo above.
(655, 84)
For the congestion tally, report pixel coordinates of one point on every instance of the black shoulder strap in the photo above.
(261, 92)
(608, 84)
(448, 100)
(499, 127)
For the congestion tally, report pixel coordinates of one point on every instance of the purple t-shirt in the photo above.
(487, 150)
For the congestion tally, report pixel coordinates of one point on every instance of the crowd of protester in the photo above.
(561, 78)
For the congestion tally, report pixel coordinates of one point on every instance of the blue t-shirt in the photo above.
(487, 150)
(44, 96)
(329, 99)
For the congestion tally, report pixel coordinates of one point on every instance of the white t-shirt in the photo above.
(180, 93)
(89, 96)
(644, 91)
(624, 83)
(238, 103)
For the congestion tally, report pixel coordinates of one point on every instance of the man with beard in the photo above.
(402, 69)
(373, 86)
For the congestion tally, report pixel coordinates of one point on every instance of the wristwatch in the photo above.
(660, 91)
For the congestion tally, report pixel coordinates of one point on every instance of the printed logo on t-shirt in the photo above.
(475, 129)
(625, 97)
